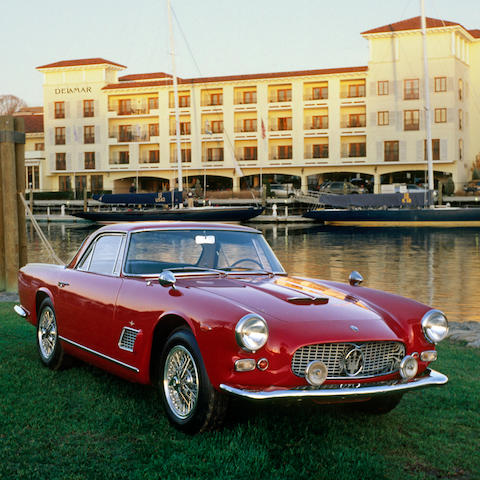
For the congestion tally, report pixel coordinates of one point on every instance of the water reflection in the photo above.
(440, 267)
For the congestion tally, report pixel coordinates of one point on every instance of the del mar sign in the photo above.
(64, 91)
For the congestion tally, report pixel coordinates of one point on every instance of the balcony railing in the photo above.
(118, 160)
(411, 126)
(348, 151)
(280, 98)
(60, 140)
(312, 96)
(148, 160)
(320, 125)
(357, 121)
(316, 153)
(88, 138)
(245, 129)
(239, 100)
(143, 136)
(411, 95)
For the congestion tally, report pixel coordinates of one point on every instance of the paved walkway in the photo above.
(466, 331)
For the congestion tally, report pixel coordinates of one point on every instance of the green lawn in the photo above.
(82, 423)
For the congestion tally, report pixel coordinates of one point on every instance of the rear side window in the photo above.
(102, 256)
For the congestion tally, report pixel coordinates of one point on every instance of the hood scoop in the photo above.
(308, 300)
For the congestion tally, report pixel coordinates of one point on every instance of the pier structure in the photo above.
(13, 241)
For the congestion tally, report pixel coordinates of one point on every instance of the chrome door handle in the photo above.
(63, 284)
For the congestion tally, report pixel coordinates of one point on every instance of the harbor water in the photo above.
(440, 267)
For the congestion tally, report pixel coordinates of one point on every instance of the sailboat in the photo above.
(204, 214)
(426, 215)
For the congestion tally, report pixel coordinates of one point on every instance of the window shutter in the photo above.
(373, 88)
(420, 151)
(450, 83)
(392, 118)
(67, 109)
(443, 149)
(380, 150)
(402, 146)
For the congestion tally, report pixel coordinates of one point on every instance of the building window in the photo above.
(153, 103)
(250, 125)
(80, 183)
(60, 161)
(88, 109)
(64, 184)
(153, 130)
(125, 133)
(120, 158)
(216, 99)
(39, 147)
(250, 97)
(89, 160)
(215, 154)
(125, 107)
(284, 95)
(411, 89)
(460, 89)
(460, 149)
(390, 153)
(184, 101)
(440, 115)
(435, 149)
(440, 84)
(187, 155)
(319, 122)
(153, 156)
(356, 120)
(96, 181)
(59, 109)
(88, 134)
(383, 118)
(357, 150)
(356, 90)
(59, 135)
(249, 153)
(284, 152)
(460, 119)
(284, 123)
(217, 126)
(382, 87)
(32, 177)
(411, 120)
(319, 93)
(320, 151)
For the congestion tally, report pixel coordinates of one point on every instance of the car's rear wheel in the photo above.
(191, 403)
(48, 341)
(380, 405)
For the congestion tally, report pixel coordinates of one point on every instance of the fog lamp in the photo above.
(408, 367)
(245, 365)
(316, 373)
(428, 356)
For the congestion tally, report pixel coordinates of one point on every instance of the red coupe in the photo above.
(206, 311)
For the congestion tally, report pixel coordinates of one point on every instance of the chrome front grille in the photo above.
(127, 339)
(376, 358)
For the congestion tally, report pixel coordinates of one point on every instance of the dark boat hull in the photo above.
(422, 217)
(198, 214)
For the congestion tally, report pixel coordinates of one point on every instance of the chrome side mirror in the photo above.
(167, 279)
(355, 279)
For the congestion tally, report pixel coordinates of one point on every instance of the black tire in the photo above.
(48, 342)
(380, 405)
(191, 403)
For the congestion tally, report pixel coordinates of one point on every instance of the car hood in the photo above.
(302, 308)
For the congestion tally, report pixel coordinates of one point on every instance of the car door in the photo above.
(86, 301)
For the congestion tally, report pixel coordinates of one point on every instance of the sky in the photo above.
(212, 37)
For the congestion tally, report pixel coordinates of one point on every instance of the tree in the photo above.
(10, 104)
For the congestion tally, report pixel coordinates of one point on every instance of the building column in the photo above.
(376, 180)
(304, 186)
(236, 184)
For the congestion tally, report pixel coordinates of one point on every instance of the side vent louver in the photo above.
(127, 339)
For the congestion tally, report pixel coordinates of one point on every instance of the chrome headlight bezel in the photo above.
(251, 332)
(435, 326)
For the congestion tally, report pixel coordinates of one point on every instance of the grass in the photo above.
(82, 423)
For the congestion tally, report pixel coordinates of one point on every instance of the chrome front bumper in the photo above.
(430, 379)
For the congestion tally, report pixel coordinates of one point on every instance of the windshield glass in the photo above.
(153, 251)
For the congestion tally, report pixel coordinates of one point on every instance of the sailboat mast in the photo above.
(428, 121)
(175, 96)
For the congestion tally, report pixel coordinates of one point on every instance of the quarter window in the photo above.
(102, 257)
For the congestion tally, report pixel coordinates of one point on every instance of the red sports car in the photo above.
(206, 311)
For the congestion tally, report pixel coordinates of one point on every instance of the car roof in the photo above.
(166, 225)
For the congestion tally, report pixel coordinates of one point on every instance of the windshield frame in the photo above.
(208, 271)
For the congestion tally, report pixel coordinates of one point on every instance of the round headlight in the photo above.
(408, 367)
(435, 326)
(251, 332)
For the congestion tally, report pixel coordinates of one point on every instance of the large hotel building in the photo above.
(103, 131)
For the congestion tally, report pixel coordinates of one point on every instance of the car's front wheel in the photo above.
(48, 341)
(191, 403)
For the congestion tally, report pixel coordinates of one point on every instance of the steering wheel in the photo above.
(251, 260)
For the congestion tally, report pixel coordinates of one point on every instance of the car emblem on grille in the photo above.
(354, 328)
(353, 362)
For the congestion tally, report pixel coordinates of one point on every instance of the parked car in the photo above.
(339, 188)
(205, 312)
(364, 186)
(279, 190)
(472, 187)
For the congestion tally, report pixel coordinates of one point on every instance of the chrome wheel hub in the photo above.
(47, 333)
(180, 382)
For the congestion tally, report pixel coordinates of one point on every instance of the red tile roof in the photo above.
(227, 78)
(411, 24)
(84, 61)
(143, 76)
(474, 33)
(33, 123)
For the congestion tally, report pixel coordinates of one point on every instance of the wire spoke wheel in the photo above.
(181, 382)
(47, 333)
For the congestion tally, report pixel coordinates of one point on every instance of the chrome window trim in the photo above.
(98, 354)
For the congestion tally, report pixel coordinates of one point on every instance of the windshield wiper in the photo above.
(196, 269)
